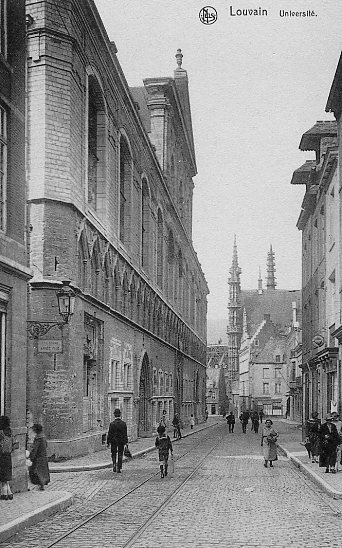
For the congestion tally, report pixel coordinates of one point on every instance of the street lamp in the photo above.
(66, 304)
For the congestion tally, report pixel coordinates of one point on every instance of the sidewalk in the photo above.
(290, 443)
(31, 507)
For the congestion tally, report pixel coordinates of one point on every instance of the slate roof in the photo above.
(323, 128)
(276, 302)
(139, 95)
(274, 346)
(303, 174)
(335, 96)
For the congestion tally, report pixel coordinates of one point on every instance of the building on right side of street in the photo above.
(319, 221)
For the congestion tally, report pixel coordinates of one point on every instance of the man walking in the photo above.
(117, 439)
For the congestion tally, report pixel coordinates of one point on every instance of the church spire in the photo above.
(270, 282)
(235, 270)
(234, 330)
(260, 282)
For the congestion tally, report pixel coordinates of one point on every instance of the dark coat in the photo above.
(164, 445)
(39, 471)
(6, 448)
(117, 432)
(230, 419)
(328, 445)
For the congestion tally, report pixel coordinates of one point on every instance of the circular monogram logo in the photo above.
(208, 15)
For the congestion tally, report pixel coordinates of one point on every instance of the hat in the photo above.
(117, 412)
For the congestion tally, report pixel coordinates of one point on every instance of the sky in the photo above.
(256, 84)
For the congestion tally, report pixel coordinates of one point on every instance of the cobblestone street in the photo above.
(229, 500)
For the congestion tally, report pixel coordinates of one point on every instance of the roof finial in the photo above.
(179, 57)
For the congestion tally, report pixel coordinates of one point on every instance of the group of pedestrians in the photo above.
(255, 416)
(37, 460)
(117, 439)
(324, 441)
(269, 436)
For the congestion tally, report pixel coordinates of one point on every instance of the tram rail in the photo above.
(141, 528)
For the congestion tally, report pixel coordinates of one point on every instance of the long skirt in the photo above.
(39, 472)
(328, 458)
(314, 441)
(270, 451)
(5, 467)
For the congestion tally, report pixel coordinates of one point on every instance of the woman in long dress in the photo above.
(312, 433)
(39, 471)
(6, 448)
(269, 442)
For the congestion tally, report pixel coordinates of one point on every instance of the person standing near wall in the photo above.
(6, 448)
(39, 471)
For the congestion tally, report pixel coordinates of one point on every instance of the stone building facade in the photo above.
(110, 209)
(319, 222)
(14, 272)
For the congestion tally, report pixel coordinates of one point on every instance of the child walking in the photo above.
(164, 445)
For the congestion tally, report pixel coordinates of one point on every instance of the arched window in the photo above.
(145, 226)
(82, 265)
(106, 282)
(160, 249)
(179, 292)
(94, 274)
(96, 146)
(171, 260)
(125, 191)
(124, 302)
(115, 294)
(181, 199)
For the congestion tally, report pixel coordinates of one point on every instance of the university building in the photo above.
(110, 188)
(14, 271)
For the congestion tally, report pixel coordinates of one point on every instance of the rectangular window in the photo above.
(3, 167)
(127, 376)
(114, 368)
(277, 372)
(3, 29)
(266, 388)
(265, 373)
(277, 358)
(277, 388)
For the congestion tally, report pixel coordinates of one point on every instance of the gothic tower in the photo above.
(270, 281)
(234, 328)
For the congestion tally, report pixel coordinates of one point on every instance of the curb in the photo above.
(315, 478)
(89, 467)
(35, 516)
